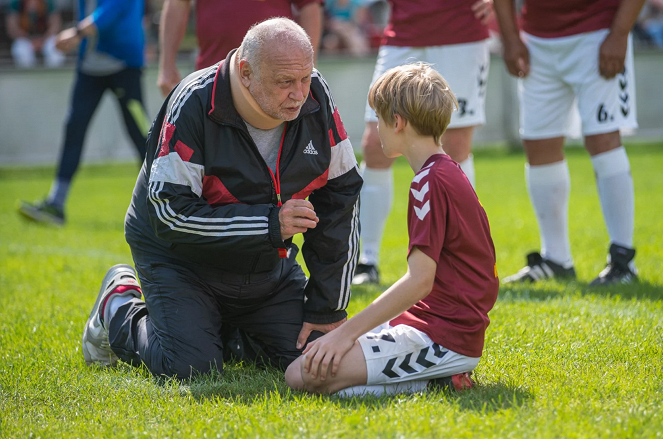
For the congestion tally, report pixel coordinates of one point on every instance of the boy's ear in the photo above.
(399, 123)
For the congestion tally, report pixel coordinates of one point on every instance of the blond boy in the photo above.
(437, 313)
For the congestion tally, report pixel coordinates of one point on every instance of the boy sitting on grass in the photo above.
(439, 308)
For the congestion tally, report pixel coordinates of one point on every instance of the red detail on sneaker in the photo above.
(462, 381)
(184, 151)
(167, 132)
(216, 193)
(119, 290)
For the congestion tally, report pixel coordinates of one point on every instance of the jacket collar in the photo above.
(222, 109)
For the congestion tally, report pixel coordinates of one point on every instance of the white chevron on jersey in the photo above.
(420, 194)
(417, 178)
(421, 213)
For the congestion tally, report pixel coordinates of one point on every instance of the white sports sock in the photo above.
(114, 302)
(376, 199)
(384, 389)
(549, 187)
(467, 166)
(615, 186)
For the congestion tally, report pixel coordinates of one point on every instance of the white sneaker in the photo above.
(96, 348)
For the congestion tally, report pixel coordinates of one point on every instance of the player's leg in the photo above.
(545, 106)
(386, 361)
(465, 67)
(377, 193)
(606, 106)
(126, 86)
(86, 94)
(176, 331)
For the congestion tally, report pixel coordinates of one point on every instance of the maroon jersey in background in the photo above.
(422, 23)
(222, 24)
(447, 223)
(561, 18)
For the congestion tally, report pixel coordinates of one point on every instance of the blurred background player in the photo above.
(346, 23)
(220, 27)
(32, 25)
(111, 40)
(574, 50)
(452, 36)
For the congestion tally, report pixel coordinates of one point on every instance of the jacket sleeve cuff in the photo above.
(323, 318)
(275, 228)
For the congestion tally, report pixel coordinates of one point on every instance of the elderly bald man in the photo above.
(242, 156)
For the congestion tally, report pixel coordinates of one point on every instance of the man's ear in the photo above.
(245, 72)
(399, 123)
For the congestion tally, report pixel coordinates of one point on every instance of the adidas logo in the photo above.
(310, 149)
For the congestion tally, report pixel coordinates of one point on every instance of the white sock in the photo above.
(467, 166)
(376, 199)
(384, 389)
(549, 187)
(615, 186)
(59, 192)
(114, 302)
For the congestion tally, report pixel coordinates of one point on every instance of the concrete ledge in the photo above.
(34, 103)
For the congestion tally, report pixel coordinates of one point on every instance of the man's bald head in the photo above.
(272, 36)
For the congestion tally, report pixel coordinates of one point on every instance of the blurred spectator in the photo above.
(32, 25)
(110, 57)
(650, 22)
(220, 27)
(346, 23)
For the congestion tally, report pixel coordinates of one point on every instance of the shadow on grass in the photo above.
(493, 397)
(553, 289)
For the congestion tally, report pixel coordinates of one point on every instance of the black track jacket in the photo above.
(206, 196)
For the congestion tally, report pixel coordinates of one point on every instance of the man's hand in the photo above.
(296, 216)
(67, 40)
(307, 328)
(167, 78)
(516, 57)
(483, 10)
(612, 54)
(326, 351)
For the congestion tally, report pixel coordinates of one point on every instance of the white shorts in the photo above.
(464, 66)
(564, 71)
(400, 354)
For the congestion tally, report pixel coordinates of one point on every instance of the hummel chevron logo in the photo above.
(421, 213)
(310, 149)
(417, 178)
(420, 194)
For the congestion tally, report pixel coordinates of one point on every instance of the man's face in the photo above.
(283, 83)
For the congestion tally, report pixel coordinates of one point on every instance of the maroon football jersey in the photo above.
(447, 223)
(422, 23)
(222, 24)
(554, 19)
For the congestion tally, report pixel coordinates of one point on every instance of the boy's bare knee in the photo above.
(293, 375)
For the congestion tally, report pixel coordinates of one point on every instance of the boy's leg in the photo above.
(127, 87)
(394, 358)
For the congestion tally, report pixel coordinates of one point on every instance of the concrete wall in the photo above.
(33, 106)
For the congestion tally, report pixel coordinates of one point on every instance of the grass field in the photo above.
(561, 360)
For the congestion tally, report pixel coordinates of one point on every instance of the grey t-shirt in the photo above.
(268, 142)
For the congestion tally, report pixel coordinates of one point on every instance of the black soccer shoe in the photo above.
(617, 271)
(366, 274)
(539, 269)
(42, 212)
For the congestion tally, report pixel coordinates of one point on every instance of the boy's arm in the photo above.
(408, 290)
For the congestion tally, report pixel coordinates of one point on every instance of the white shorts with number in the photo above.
(566, 70)
(400, 354)
(464, 66)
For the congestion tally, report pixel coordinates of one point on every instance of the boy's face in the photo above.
(390, 142)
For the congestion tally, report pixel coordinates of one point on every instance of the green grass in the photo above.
(561, 360)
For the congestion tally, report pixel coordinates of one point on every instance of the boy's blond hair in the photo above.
(417, 93)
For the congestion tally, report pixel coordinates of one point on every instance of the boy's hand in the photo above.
(325, 351)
